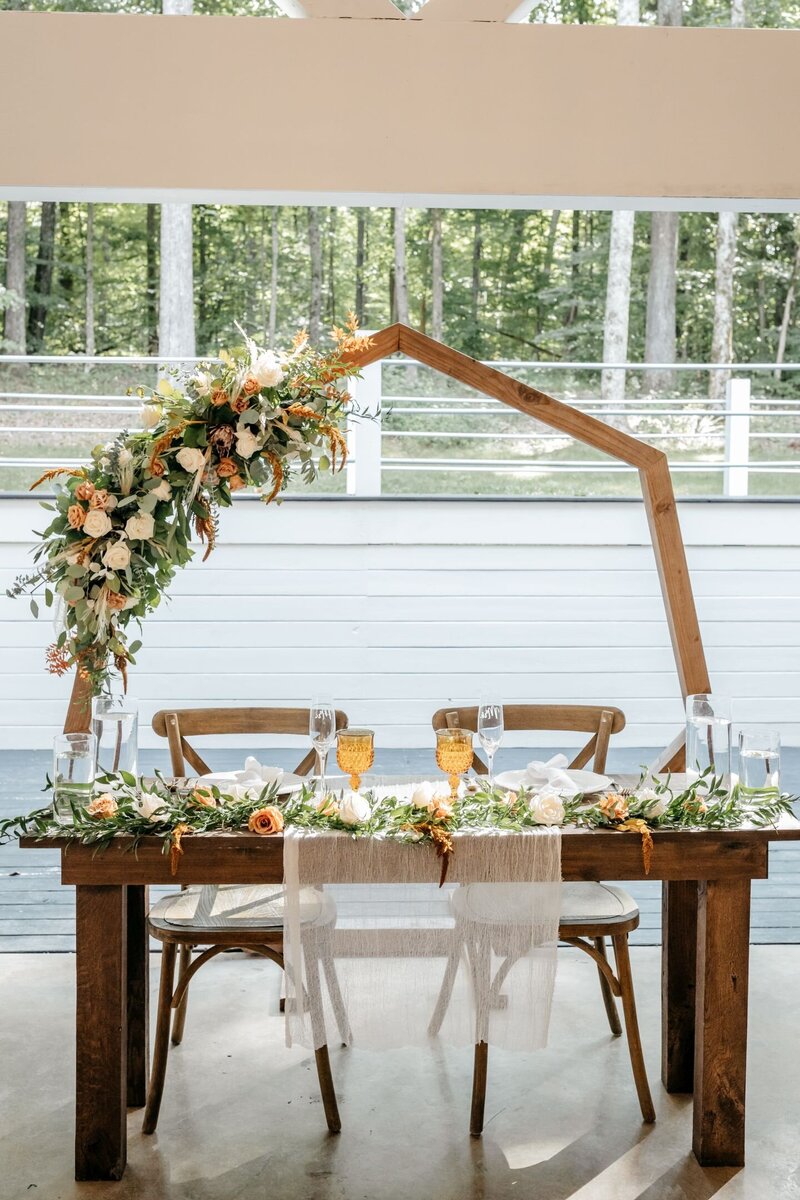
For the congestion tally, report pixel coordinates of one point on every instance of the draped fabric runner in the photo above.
(397, 960)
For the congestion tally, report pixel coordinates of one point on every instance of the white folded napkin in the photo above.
(550, 774)
(253, 778)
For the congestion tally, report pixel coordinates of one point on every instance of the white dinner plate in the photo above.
(290, 782)
(587, 782)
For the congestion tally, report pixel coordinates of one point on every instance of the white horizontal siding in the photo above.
(397, 607)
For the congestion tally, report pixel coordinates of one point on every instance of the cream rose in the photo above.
(191, 459)
(422, 795)
(547, 807)
(654, 804)
(140, 527)
(149, 806)
(247, 444)
(354, 809)
(97, 523)
(268, 370)
(117, 557)
(151, 415)
(163, 491)
(202, 383)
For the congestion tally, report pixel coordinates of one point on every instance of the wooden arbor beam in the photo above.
(654, 475)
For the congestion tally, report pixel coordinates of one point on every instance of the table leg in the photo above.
(138, 997)
(101, 1032)
(723, 952)
(678, 967)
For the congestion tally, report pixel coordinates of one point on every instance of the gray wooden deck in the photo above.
(36, 913)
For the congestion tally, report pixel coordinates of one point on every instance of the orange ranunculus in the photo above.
(97, 499)
(614, 806)
(235, 482)
(76, 515)
(85, 490)
(203, 798)
(241, 403)
(219, 397)
(265, 820)
(227, 467)
(115, 600)
(251, 386)
(102, 807)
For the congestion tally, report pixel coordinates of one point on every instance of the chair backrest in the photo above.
(598, 720)
(175, 725)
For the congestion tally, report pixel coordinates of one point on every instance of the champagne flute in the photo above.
(490, 731)
(322, 731)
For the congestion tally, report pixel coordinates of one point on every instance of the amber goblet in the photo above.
(355, 753)
(453, 755)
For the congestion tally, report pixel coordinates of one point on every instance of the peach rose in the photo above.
(114, 600)
(157, 468)
(251, 386)
(202, 797)
(85, 490)
(614, 806)
(265, 821)
(227, 467)
(235, 482)
(76, 515)
(327, 807)
(97, 499)
(219, 397)
(102, 807)
(241, 403)
(442, 810)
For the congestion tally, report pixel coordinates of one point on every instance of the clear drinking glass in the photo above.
(322, 731)
(708, 735)
(490, 731)
(759, 762)
(74, 757)
(115, 724)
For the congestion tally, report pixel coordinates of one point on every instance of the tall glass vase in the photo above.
(115, 724)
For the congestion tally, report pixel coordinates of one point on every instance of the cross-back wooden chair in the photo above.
(590, 912)
(231, 916)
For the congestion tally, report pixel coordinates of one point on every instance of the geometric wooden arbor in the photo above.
(659, 498)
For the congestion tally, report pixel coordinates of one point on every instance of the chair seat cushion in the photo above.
(581, 903)
(233, 906)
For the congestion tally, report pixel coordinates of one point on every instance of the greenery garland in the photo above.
(156, 808)
(122, 526)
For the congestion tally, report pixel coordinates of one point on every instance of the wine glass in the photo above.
(453, 755)
(322, 731)
(355, 753)
(490, 731)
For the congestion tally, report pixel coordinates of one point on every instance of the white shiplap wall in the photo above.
(395, 607)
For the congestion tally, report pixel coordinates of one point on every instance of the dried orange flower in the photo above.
(235, 482)
(102, 807)
(227, 467)
(114, 600)
(58, 661)
(265, 821)
(219, 397)
(76, 515)
(241, 403)
(85, 490)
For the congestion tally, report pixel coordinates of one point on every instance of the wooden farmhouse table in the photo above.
(706, 942)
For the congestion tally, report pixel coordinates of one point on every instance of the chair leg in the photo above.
(481, 963)
(446, 990)
(479, 1072)
(179, 1020)
(327, 1089)
(318, 1029)
(161, 1046)
(608, 995)
(623, 964)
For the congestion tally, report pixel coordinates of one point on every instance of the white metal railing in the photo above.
(723, 429)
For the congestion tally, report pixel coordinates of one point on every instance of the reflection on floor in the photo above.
(36, 913)
(242, 1118)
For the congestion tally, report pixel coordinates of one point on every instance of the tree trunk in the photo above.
(315, 255)
(722, 334)
(151, 279)
(618, 303)
(547, 266)
(400, 281)
(43, 277)
(477, 253)
(788, 305)
(90, 341)
(332, 266)
(659, 340)
(176, 308)
(361, 260)
(572, 312)
(202, 270)
(437, 278)
(14, 321)
(273, 278)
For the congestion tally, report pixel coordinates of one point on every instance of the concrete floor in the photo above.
(242, 1118)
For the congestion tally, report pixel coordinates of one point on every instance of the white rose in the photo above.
(268, 370)
(97, 523)
(354, 809)
(191, 459)
(124, 458)
(163, 491)
(247, 444)
(140, 526)
(117, 556)
(110, 503)
(422, 795)
(151, 415)
(149, 806)
(654, 804)
(547, 807)
(202, 383)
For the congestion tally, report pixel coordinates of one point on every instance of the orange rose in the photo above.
(250, 386)
(85, 490)
(235, 482)
(227, 467)
(102, 807)
(97, 499)
(443, 809)
(76, 515)
(266, 821)
(219, 397)
(241, 403)
(614, 807)
(202, 797)
(327, 807)
(115, 600)
(156, 468)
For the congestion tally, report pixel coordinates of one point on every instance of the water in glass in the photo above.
(759, 762)
(708, 735)
(322, 731)
(74, 756)
(490, 730)
(115, 725)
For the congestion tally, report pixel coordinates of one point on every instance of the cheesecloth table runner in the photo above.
(375, 976)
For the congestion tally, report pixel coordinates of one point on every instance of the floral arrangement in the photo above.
(122, 526)
(158, 809)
